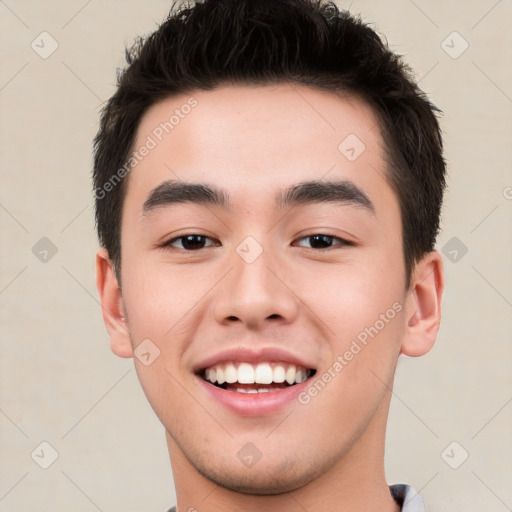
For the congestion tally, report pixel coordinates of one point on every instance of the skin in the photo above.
(327, 454)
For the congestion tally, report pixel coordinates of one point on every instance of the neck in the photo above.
(354, 483)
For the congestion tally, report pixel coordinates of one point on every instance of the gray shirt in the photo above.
(403, 494)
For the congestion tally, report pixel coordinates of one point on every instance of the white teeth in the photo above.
(290, 374)
(211, 375)
(220, 375)
(259, 390)
(245, 373)
(230, 373)
(279, 373)
(263, 374)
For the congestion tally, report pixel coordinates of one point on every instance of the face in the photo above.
(271, 307)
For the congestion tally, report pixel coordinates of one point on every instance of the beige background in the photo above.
(61, 384)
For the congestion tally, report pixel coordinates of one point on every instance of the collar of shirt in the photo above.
(407, 498)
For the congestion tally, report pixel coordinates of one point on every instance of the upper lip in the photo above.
(252, 355)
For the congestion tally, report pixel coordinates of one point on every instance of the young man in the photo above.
(268, 183)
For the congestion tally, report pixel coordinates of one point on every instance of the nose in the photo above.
(256, 295)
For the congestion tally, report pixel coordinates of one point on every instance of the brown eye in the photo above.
(321, 241)
(190, 242)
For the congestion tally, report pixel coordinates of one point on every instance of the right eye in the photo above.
(192, 242)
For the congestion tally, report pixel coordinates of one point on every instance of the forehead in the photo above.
(251, 139)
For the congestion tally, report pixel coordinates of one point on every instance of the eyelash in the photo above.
(343, 242)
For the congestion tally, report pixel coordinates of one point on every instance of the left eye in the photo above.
(322, 241)
(190, 242)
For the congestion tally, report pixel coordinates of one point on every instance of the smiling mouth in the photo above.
(242, 377)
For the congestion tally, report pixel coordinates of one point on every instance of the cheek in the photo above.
(158, 297)
(352, 297)
(364, 314)
(362, 307)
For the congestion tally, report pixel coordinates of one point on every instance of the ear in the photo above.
(423, 305)
(112, 305)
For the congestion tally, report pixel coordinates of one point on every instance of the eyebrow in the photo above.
(341, 191)
(174, 192)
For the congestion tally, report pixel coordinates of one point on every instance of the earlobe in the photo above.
(423, 306)
(112, 305)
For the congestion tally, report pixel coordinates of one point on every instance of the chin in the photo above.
(269, 478)
(257, 482)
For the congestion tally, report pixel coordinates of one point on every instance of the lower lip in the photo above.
(254, 404)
